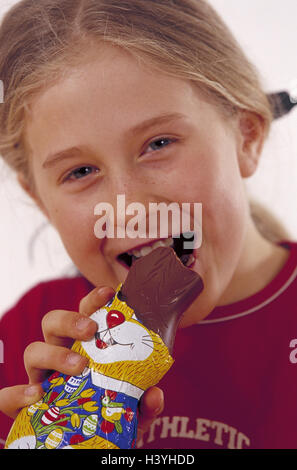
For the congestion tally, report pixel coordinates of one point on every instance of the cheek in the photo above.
(74, 222)
(224, 225)
(75, 225)
(215, 182)
(218, 186)
(227, 200)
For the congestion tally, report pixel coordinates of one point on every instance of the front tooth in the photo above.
(136, 253)
(157, 244)
(168, 241)
(146, 250)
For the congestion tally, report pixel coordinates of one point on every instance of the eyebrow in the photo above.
(52, 159)
(163, 118)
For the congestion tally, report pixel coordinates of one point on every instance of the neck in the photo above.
(260, 261)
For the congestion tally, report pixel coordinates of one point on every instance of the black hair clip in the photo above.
(281, 103)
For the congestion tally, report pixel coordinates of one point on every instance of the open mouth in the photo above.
(186, 255)
(104, 343)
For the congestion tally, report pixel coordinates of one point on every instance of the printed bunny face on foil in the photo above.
(120, 337)
(123, 348)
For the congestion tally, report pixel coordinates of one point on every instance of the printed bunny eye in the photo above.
(114, 318)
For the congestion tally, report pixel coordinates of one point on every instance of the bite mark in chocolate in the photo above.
(159, 288)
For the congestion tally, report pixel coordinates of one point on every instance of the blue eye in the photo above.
(80, 173)
(159, 144)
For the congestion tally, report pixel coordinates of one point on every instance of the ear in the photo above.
(251, 137)
(32, 192)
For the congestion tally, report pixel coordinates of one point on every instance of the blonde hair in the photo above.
(39, 41)
(184, 38)
(267, 223)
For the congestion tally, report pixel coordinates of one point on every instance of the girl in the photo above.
(156, 101)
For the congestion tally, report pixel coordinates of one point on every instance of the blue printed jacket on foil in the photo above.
(74, 410)
(97, 409)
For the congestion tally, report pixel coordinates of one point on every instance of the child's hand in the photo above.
(151, 404)
(60, 328)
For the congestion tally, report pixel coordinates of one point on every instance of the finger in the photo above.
(151, 404)
(13, 399)
(95, 299)
(59, 326)
(40, 357)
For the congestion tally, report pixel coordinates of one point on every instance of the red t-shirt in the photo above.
(234, 380)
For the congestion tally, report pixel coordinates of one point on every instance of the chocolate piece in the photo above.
(159, 288)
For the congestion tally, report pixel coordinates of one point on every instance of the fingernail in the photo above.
(73, 359)
(82, 323)
(157, 410)
(102, 290)
(31, 391)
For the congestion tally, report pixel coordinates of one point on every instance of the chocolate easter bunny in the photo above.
(130, 352)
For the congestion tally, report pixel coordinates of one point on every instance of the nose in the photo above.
(129, 197)
(114, 318)
(137, 184)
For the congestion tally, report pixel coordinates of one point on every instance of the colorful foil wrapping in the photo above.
(130, 352)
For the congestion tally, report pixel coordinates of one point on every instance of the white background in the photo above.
(30, 250)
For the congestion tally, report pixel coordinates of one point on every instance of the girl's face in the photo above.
(97, 134)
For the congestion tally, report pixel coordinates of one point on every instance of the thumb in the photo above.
(13, 399)
(151, 404)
